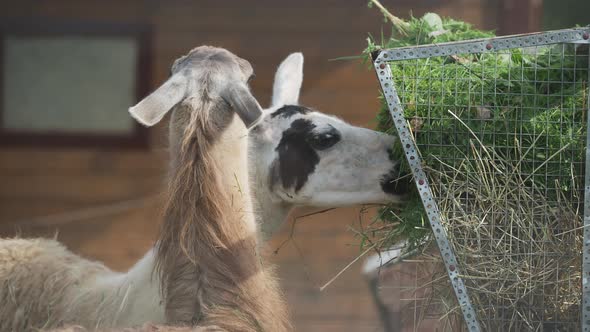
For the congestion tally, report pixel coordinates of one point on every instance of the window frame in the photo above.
(142, 33)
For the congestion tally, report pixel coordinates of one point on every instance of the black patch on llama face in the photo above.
(288, 111)
(297, 159)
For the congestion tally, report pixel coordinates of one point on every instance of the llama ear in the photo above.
(152, 108)
(288, 80)
(243, 103)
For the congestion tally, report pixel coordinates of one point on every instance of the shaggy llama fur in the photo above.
(205, 269)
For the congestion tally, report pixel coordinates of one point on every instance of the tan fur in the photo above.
(36, 277)
(207, 261)
(207, 255)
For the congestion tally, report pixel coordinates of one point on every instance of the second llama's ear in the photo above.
(152, 108)
(288, 80)
(243, 103)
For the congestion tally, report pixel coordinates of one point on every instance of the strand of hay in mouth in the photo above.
(518, 248)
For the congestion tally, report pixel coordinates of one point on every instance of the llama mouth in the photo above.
(396, 183)
(396, 186)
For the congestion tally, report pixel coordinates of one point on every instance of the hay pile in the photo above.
(502, 136)
(520, 252)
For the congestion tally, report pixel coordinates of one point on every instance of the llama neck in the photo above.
(231, 154)
(271, 211)
(207, 254)
(201, 290)
(208, 217)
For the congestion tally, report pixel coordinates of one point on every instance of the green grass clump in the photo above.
(525, 108)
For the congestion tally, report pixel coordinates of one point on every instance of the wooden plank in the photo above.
(337, 325)
(337, 308)
(520, 16)
(243, 16)
(57, 211)
(126, 11)
(79, 162)
(304, 277)
(17, 210)
(94, 186)
(118, 240)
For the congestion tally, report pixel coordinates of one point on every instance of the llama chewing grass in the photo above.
(302, 157)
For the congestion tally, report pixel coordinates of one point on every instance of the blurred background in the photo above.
(74, 165)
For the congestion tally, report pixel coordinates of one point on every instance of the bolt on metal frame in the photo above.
(382, 60)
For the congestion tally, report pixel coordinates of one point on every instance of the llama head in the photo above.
(309, 158)
(199, 80)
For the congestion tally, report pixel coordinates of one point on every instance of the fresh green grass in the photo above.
(526, 108)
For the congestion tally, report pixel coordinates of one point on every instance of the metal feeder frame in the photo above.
(381, 60)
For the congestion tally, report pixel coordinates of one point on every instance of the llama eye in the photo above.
(324, 141)
(251, 78)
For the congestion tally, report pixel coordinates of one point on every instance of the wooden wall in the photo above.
(37, 182)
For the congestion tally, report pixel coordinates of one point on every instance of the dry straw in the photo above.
(502, 136)
(519, 251)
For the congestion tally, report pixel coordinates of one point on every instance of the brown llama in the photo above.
(205, 269)
(207, 254)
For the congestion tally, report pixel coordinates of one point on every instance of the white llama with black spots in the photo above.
(302, 157)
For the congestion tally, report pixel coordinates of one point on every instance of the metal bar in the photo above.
(381, 63)
(586, 248)
(579, 35)
(383, 71)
